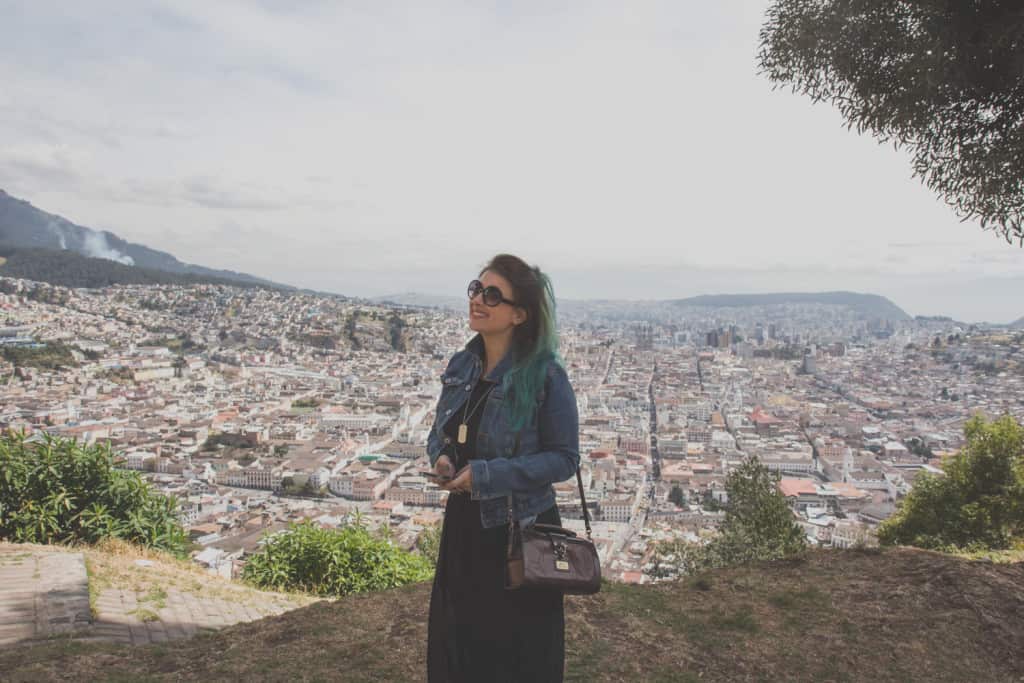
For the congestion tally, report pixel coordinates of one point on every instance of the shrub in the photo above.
(677, 496)
(321, 561)
(758, 525)
(58, 490)
(49, 356)
(977, 504)
(429, 542)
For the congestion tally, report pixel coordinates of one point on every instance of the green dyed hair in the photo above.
(534, 341)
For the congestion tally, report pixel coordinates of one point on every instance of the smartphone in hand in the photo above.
(430, 474)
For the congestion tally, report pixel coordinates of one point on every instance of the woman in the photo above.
(506, 425)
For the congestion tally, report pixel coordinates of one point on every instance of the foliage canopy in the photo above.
(978, 504)
(943, 78)
(429, 543)
(58, 490)
(49, 356)
(321, 561)
(758, 525)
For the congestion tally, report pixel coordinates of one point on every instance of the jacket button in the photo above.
(469, 387)
(448, 412)
(447, 439)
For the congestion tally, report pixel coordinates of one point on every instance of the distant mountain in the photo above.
(422, 300)
(870, 304)
(1018, 324)
(24, 226)
(66, 268)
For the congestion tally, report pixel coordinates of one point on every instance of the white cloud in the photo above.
(407, 140)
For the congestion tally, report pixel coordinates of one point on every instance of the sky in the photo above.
(629, 149)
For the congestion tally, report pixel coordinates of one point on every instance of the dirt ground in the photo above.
(871, 615)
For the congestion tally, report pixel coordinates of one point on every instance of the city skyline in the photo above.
(635, 286)
(253, 406)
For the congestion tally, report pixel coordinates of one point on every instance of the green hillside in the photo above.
(69, 269)
(23, 226)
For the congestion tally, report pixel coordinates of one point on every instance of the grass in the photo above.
(701, 583)
(144, 614)
(114, 564)
(997, 556)
(157, 596)
(798, 599)
(13, 559)
(740, 618)
(894, 615)
(94, 593)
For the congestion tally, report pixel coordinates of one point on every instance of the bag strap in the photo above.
(583, 500)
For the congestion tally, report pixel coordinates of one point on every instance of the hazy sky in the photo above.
(630, 149)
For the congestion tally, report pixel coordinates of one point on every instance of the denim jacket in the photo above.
(517, 468)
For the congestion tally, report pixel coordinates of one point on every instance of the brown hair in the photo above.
(534, 341)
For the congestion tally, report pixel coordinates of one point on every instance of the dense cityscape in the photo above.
(744, 272)
(258, 407)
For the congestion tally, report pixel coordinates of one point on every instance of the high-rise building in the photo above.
(645, 336)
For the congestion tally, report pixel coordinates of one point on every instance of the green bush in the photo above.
(758, 525)
(977, 504)
(429, 543)
(677, 496)
(49, 356)
(62, 491)
(306, 403)
(321, 561)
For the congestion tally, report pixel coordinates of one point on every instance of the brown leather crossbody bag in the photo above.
(552, 557)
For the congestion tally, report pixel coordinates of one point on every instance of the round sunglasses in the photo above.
(492, 295)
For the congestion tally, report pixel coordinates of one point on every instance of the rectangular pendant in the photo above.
(463, 431)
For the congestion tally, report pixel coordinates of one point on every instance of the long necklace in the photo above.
(464, 428)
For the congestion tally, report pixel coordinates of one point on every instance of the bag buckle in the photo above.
(561, 563)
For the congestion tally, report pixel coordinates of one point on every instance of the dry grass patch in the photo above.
(8, 559)
(115, 564)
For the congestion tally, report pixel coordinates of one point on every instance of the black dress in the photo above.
(477, 630)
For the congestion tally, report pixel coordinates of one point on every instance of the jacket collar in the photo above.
(476, 346)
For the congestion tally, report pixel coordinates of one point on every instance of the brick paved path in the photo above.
(127, 617)
(42, 594)
(45, 593)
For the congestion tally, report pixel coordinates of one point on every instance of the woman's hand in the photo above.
(444, 467)
(462, 483)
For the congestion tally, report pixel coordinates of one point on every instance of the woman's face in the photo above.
(494, 319)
